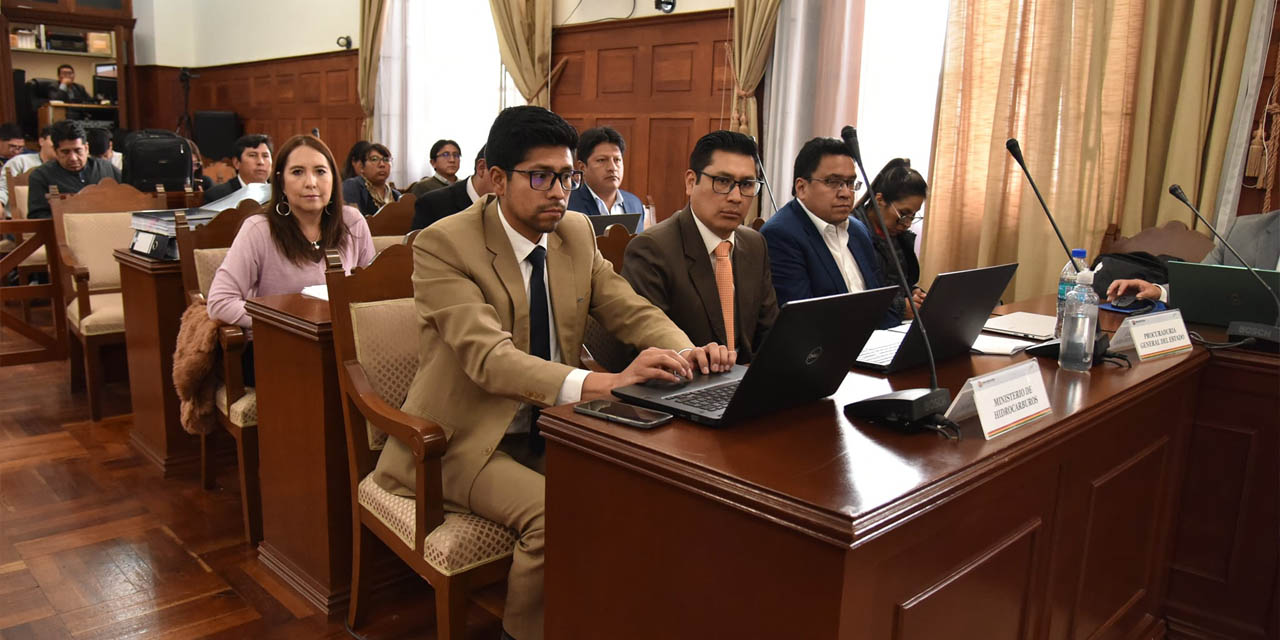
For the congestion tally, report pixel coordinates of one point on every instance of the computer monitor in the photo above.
(107, 70)
(104, 88)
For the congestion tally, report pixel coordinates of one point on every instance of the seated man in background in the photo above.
(705, 270)
(815, 247)
(252, 161)
(503, 291)
(101, 146)
(1256, 237)
(446, 157)
(71, 170)
(458, 196)
(24, 162)
(600, 161)
(12, 142)
(368, 191)
(71, 92)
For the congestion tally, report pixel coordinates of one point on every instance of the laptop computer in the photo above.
(1218, 294)
(628, 220)
(1022, 324)
(957, 306)
(804, 358)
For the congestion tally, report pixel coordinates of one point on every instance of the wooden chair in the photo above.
(37, 262)
(201, 251)
(89, 226)
(457, 553)
(219, 172)
(757, 223)
(1174, 239)
(411, 236)
(391, 222)
(613, 245)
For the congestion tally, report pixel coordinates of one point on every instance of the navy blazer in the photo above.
(802, 265)
(582, 201)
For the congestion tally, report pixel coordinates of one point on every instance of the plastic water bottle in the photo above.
(1067, 282)
(1079, 325)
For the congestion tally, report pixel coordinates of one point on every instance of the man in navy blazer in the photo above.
(600, 161)
(815, 247)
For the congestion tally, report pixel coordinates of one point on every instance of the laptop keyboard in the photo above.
(708, 398)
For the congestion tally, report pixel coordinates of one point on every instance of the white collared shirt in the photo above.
(571, 388)
(711, 240)
(836, 237)
(471, 192)
(615, 210)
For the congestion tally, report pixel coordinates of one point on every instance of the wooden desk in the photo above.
(803, 524)
(302, 459)
(153, 306)
(50, 113)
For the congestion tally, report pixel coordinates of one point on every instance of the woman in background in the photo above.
(369, 190)
(899, 191)
(281, 250)
(350, 168)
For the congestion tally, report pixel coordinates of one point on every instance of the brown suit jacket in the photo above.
(669, 265)
(427, 185)
(474, 366)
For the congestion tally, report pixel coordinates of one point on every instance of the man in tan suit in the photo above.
(673, 264)
(503, 290)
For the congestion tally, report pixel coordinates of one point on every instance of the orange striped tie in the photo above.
(724, 284)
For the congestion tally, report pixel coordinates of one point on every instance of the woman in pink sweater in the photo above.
(281, 250)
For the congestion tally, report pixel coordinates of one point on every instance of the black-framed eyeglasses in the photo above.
(724, 186)
(448, 154)
(835, 183)
(542, 180)
(379, 160)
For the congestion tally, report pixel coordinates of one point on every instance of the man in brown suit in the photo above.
(674, 263)
(503, 290)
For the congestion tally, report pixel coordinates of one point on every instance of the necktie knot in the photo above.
(722, 249)
(537, 257)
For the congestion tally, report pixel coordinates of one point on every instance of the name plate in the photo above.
(1154, 335)
(1004, 399)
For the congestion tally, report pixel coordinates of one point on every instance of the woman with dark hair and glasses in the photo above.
(350, 168)
(899, 191)
(281, 249)
(369, 190)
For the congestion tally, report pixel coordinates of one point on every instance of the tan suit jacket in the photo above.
(474, 368)
(669, 265)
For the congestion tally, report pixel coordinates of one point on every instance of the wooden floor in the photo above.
(95, 544)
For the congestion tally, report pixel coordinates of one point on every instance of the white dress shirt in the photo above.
(571, 388)
(836, 237)
(712, 240)
(15, 167)
(471, 192)
(615, 210)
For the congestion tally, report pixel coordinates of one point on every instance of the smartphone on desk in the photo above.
(622, 413)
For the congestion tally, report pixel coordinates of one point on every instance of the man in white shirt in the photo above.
(815, 247)
(600, 153)
(22, 163)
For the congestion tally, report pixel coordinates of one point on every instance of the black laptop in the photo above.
(957, 306)
(1218, 294)
(804, 358)
(628, 220)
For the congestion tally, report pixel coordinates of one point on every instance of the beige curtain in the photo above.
(373, 14)
(524, 38)
(1189, 75)
(1059, 76)
(753, 24)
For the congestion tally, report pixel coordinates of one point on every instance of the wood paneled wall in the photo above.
(662, 82)
(281, 97)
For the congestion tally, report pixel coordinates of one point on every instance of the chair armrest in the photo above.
(423, 437)
(233, 341)
(79, 280)
(588, 361)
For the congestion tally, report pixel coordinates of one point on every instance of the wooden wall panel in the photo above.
(661, 82)
(281, 97)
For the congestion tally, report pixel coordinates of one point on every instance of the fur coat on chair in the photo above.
(194, 370)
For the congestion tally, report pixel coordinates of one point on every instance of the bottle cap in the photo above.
(1078, 253)
(1085, 277)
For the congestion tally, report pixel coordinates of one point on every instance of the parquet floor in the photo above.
(94, 543)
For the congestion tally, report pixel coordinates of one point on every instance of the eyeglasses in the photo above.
(378, 160)
(542, 180)
(905, 219)
(724, 186)
(449, 154)
(835, 183)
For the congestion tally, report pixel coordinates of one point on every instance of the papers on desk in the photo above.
(317, 291)
(997, 346)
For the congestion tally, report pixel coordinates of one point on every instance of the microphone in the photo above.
(1267, 333)
(909, 408)
(764, 177)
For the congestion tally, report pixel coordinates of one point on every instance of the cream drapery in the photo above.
(524, 38)
(373, 14)
(1192, 55)
(753, 25)
(1059, 76)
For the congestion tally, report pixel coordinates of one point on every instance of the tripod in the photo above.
(185, 127)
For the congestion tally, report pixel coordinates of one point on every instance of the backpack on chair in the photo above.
(157, 156)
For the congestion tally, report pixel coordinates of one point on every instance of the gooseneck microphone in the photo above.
(764, 177)
(1015, 150)
(1269, 333)
(911, 408)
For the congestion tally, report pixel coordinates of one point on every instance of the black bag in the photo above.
(1110, 267)
(156, 156)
